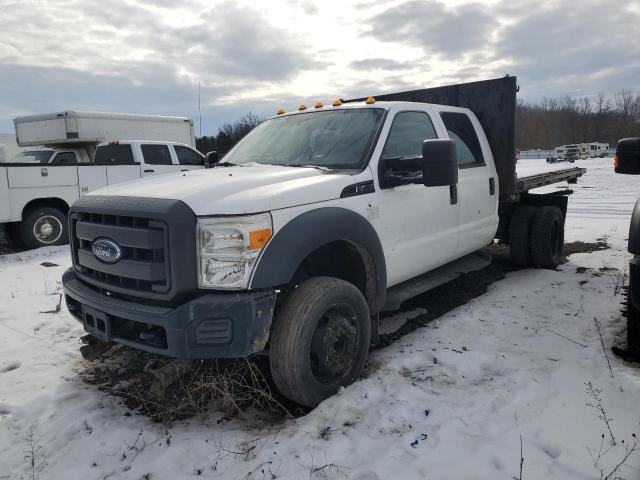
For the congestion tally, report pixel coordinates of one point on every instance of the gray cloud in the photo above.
(573, 48)
(434, 27)
(381, 64)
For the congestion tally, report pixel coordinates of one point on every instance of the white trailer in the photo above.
(8, 147)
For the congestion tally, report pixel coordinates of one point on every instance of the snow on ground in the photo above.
(448, 401)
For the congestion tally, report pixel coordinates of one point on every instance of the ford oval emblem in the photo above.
(106, 250)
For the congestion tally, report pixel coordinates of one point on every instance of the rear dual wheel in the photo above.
(536, 236)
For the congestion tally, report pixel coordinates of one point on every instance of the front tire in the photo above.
(320, 340)
(44, 227)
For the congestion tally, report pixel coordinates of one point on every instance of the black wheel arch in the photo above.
(312, 230)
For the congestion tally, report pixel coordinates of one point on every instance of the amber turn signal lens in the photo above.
(259, 238)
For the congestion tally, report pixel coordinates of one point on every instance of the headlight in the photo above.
(228, 248)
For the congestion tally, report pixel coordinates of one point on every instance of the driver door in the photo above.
(418, 225)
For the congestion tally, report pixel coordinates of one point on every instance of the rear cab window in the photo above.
(65, 157)
(462, 132)
(187, 156)
(156, 154)
(114, 153)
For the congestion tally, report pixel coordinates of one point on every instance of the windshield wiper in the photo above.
(223, 164)
(306, 165)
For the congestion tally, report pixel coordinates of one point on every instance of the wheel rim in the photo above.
(334, 345)
(47, 229)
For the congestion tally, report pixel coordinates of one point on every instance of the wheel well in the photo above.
(346, 260)
(506, 210)
(45, 202)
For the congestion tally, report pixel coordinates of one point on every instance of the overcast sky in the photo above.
(147, 56)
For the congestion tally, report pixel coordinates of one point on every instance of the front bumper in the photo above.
(213, 325)
(634, 281)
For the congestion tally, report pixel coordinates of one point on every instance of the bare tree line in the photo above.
(549, 123)
(561, 120)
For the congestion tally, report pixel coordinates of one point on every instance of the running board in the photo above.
(402, 292)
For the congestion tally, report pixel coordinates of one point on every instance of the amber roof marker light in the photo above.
(302, 106)
(337, 102)
(280, 111)
(370, 101)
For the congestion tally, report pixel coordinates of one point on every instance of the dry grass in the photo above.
(235, 388)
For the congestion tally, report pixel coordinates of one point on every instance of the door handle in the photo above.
(453, 194)
(149, 171)
(492, 186)
(184, 170)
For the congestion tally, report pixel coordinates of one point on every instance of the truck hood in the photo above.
(238, 190)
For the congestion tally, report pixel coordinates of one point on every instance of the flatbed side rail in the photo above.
(571, 175)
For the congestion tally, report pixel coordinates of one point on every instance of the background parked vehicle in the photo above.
(40, 196)
(627, 161)
(578, 151)
(39, 185)
(317, 221)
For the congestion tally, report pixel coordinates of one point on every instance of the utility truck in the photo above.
(39, 184)
(317, 221)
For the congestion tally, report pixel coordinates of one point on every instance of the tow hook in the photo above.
(92, 348)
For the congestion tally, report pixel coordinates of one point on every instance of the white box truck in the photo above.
(39, 184)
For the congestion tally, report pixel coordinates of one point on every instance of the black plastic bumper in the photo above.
(634, 281)
(213, 325)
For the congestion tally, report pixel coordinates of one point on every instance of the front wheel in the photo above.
(320, 340)
(44, 227)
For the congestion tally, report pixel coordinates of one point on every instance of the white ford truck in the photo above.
(315, 222)
(39, 184)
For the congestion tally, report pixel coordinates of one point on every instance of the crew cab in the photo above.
(627, 161)
(37, 189)
(318, 220)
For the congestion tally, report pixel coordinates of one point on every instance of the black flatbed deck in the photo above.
(570, 175)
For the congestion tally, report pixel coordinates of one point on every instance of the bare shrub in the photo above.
(232, 387)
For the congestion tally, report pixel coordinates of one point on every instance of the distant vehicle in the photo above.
(8, 147)
(37, 196)
(76, 134)
(315, 223)
(578, 151)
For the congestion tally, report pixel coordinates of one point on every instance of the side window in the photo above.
(65, 157)
(114, 153)
(156, 154)
(186, 156)
(461, 131)
(408, 131)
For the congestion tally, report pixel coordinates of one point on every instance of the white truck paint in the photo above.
(37, 196)
(315, 222)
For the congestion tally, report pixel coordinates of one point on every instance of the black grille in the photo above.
(144, 265)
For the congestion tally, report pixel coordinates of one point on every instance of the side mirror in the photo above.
(211, 158)
(627, 158)
(439, 163)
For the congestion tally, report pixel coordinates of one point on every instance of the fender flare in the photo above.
(310, 231)
(634, 230)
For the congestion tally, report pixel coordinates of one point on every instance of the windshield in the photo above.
(332, 139)
(33, 156)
